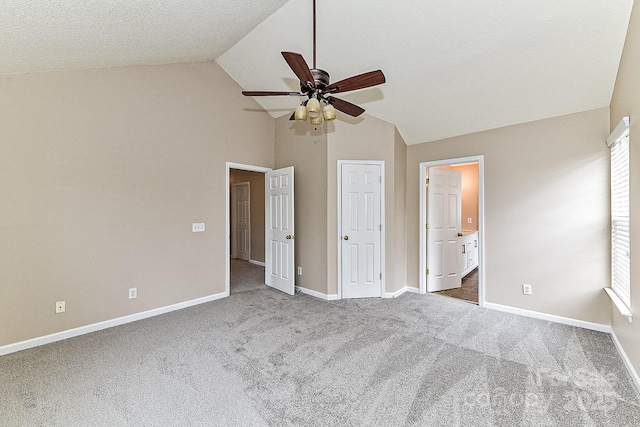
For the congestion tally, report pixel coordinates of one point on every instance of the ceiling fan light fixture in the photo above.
(313, 108)
(301, 113)
(329, 112)
(317, 120)
(315, 86)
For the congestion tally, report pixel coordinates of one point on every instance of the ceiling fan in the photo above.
(315, 85)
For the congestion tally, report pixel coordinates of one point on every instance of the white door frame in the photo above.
(382, 220)
(239, 166)
(423, 219)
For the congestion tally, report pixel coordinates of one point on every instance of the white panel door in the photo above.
(280, 237)
(241, 221)
(444, 221)
(361, 230)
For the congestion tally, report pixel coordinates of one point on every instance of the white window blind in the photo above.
(620, 243)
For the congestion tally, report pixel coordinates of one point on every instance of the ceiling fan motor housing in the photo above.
(321, 79)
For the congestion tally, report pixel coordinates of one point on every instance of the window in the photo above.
(620, 291)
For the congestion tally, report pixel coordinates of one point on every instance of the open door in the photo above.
(444, 222)
(280, 237)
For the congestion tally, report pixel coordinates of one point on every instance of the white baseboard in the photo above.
(70, 333)
(260, 263)
(333, 297)
(399, 292)
(549, 317)
(626, 360)
(317, 294)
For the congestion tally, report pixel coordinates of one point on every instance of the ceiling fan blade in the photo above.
(345, 107)
(266, 93)
(299, 67)
(361, 81)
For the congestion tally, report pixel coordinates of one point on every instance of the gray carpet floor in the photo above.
(263, 358)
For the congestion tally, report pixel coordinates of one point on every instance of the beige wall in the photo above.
(256, 197)
(546, 212)
(315, 154)
(626, 101)
(102, 173)
(368, 138)
(298, 145)
(398, 241)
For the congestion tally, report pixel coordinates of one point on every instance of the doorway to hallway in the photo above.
(271, 223)
(253, 219)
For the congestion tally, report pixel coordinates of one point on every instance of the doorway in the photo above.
(241, 242)
(468, 239)
(245, 249)
(274, 217)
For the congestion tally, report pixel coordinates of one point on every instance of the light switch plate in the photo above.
(197, 227)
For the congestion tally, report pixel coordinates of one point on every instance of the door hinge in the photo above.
(380, 276)
(427, 226)
(380, 227)
(380, 179)
(427, 271)
(427, 181)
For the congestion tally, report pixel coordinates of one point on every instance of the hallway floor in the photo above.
(468, 291)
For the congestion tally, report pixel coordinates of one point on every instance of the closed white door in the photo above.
(241, 221)
(361, 230)
(444, 222)
(280, 237)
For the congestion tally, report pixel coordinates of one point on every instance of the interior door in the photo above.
(241, 221)
(444, 222)
(361, 230)
(280, 237)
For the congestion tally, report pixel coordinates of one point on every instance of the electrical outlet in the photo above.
(60, 307)
(133, 293)
(469, 220)
(299, 271)
(527, 289)
(197, 227)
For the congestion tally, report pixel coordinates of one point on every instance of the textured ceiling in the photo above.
(43, 35)
(453, 67)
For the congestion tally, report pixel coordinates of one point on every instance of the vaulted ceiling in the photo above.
(453, 67)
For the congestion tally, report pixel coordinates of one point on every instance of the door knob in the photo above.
(288, 237)
(459, 234)
(346, 237)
